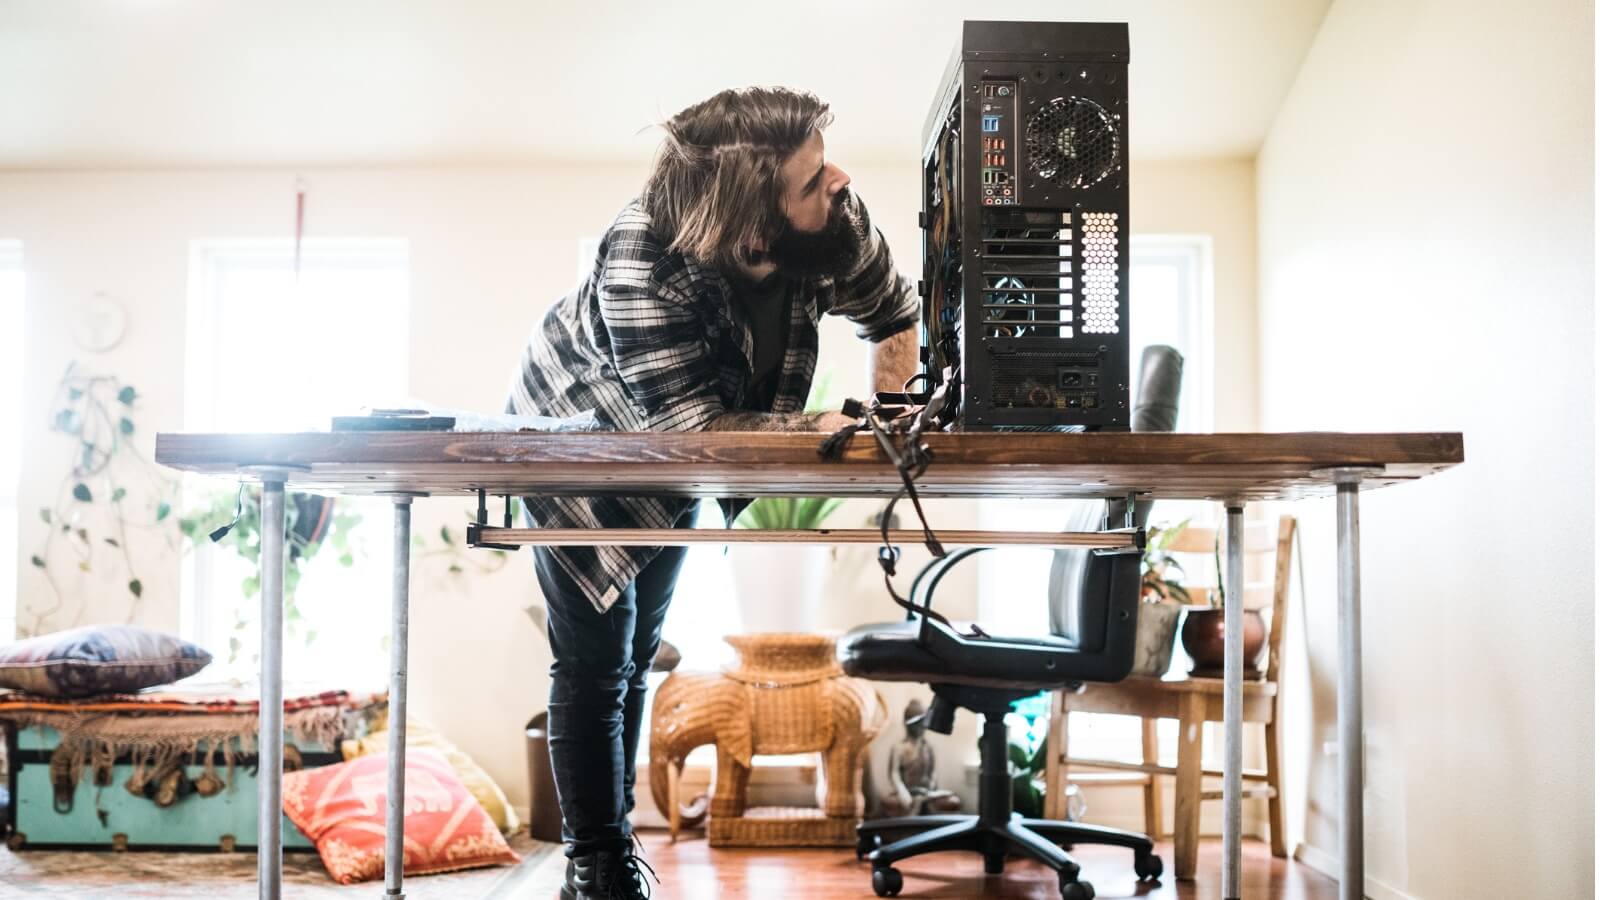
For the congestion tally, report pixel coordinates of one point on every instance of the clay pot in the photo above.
(1203, 637)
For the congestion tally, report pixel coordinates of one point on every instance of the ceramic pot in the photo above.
(778, 587)
(1204, 635)
(1152, 650)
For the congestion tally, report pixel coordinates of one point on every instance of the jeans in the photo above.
(597, 693)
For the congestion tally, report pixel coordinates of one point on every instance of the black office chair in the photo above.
(1095, 607)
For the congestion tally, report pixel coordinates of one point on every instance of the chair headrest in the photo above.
(1155, 403)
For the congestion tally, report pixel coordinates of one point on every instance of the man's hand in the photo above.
(741, 420)
(833, 421)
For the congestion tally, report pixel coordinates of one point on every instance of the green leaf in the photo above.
(37, 561)
(1036, 763)
(74, 394)
(83, 535)
(346, 560)
(125, 425)
(163, 509)
(444, 533)
(112, 542)
(83, 565)
(80, 491)
(45, 515)
(136, 587)
(1018, 755)
(127, 395)
(118, 494)
(455, 569)
(64, 420)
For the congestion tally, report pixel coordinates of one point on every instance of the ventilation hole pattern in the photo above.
(1100, 279)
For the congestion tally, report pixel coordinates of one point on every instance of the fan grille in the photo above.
(1072, 142)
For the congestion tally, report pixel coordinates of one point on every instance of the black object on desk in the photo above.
(394, 420)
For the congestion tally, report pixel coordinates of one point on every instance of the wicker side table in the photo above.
(785, 695)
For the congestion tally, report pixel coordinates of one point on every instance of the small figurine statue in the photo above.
(913, 789)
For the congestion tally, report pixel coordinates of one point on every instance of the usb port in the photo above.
(991, 123)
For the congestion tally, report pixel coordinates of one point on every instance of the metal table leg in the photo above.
(400, 623)
(1233, 702)
(269, 739)
(1352, 882)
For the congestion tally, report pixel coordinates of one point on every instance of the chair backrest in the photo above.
(1081, 583)
(1260, 539)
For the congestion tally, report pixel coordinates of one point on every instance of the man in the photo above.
(700, 314)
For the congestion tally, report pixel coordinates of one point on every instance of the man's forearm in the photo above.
(742, 420)
(893, 361)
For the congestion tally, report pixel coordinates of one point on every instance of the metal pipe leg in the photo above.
(1351, 746)
(1233, 703)
(269, 739)
(395, 819)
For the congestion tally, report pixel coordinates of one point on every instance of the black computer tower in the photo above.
(1025, 227)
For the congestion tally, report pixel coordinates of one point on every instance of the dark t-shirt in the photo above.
(766, 305)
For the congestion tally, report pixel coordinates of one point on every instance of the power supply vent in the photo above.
(1027, 274)
(1072, 142)
(1034, 380)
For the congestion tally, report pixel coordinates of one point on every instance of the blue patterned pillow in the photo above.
(98, 659)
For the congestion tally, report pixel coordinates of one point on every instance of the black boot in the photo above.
(580, 881)
(607, 875)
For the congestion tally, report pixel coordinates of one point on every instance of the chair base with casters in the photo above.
(996, 831)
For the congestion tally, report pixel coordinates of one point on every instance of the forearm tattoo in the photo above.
(757, 421)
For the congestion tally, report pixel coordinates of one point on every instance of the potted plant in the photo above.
(310, 521)
(778, 587)
(1162, 594)
(1205, 630)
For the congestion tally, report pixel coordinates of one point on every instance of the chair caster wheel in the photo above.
(1077, 890)
(1148, 867)
(866, 843)
(886, 882)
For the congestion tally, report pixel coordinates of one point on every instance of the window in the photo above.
(11, 344)
(1170, 296)
(265, 353)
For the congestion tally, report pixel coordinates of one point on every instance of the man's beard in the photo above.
(832, 250)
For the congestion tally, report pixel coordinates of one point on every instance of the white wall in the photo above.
(491, 249)
(1427, 264)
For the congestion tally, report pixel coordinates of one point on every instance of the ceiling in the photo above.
(202, 83)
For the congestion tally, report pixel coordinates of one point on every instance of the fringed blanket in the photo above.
(158, 731)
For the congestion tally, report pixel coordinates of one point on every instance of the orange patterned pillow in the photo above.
(341, 809)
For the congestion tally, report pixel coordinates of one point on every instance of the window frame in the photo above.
(12, 260)
(202, 617)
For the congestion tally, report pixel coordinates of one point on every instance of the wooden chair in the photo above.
(1193, 702)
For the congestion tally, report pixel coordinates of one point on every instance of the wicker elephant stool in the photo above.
(786, 695)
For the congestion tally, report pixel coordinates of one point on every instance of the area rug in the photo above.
(227, 876)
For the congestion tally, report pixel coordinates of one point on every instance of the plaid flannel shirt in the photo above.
(654, 341)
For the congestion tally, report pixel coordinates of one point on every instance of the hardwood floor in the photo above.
(693, 870)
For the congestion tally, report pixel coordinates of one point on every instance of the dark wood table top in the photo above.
(735, 464)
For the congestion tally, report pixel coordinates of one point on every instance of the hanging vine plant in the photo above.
(310, 522)
(92, 513)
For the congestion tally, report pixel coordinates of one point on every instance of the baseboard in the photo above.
(1329, 865)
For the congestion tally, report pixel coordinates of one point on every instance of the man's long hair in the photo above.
(717, 185)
